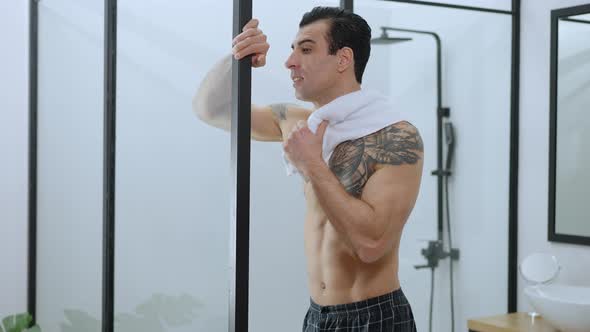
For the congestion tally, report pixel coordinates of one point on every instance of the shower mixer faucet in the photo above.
(434, 253)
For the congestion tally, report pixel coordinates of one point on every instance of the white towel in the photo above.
(351, 116)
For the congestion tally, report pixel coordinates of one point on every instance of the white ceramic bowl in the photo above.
(565, 307)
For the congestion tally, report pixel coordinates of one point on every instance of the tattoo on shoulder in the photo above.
(397, 144)
(353, 162)
(279, 111)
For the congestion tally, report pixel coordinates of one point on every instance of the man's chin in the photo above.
(300, 96)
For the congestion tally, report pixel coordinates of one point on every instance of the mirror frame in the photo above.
(556, 15)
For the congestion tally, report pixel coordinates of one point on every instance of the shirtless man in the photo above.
(358, 203)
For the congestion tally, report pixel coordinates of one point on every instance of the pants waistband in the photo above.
(396, 297)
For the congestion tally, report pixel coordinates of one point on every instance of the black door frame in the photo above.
(240, 162)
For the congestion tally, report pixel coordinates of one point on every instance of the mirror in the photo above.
(569, 213)
(539, 268)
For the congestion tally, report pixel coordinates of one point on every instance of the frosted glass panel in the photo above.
(278, 282)
(70, 156)
(173, 193)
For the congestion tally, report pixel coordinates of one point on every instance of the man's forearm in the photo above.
(352, 217)
(212, 101)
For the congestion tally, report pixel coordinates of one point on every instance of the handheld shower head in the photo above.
(450, 139)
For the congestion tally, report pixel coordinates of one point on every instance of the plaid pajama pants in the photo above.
(386, 313)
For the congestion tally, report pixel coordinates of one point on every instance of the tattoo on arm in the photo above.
(350, 166)
(395, 145)
(353, 162)
(279, 111)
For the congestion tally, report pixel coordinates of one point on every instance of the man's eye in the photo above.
(306, 50)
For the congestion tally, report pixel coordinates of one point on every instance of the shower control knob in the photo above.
(444, 112)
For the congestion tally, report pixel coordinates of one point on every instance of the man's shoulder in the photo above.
(398, 130)
(397, 144)
(394, 137)
(355, 161)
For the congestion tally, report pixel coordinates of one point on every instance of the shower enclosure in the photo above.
(137, 225)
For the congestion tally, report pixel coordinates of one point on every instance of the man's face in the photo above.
(313, 70)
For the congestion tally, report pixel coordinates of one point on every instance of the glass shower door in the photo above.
(70, 159)
(172, 184)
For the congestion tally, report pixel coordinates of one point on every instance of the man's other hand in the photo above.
(251, 42)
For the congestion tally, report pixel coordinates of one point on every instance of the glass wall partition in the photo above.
(173, 190)
(70, 165)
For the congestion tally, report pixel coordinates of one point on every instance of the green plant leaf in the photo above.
(17, 323)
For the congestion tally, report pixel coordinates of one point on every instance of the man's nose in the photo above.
(290, 63)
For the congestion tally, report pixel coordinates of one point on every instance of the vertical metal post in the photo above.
(346, 4)
(240, 173)
(110, 88)
(513, 184)
(439, 138)
(32, 191)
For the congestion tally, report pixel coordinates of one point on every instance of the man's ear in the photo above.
(345, 58)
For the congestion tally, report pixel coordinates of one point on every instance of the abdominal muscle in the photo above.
(335, 273)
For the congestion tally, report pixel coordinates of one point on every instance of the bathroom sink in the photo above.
(565, 307)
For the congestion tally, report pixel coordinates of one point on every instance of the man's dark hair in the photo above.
(346, 29)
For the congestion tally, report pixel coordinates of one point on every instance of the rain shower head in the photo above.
(384, 39)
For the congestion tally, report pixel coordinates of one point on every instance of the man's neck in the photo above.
(340, 92)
